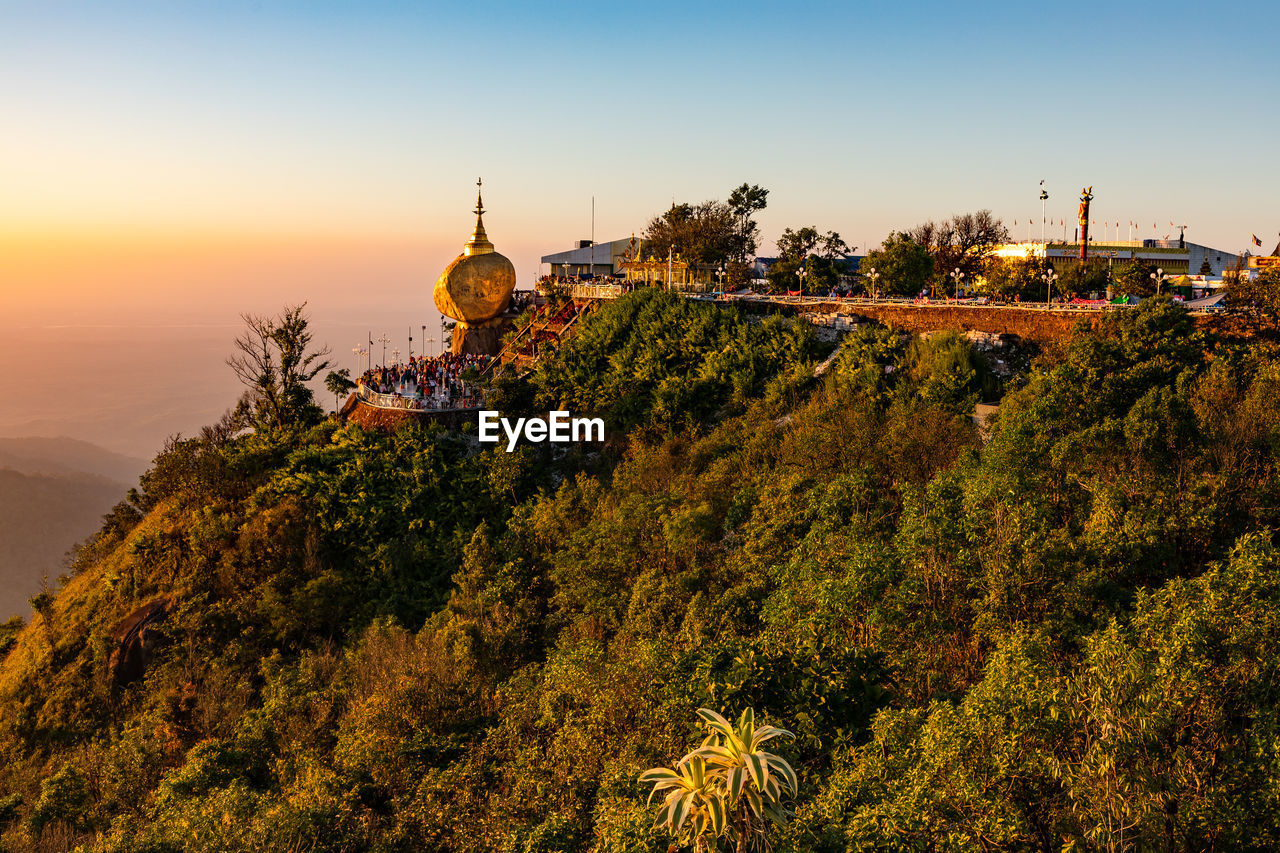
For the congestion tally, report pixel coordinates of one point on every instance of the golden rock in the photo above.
(477, 286)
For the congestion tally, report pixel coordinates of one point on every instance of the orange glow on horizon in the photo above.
(136, 273)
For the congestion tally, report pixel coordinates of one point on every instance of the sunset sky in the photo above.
(173, 164)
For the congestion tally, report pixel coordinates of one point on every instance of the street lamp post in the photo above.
(1049, 277)
(874, 275)
(720, 276)
(384, 340)
(800, 274)
(395, 355)
(1158, 278)
(424, 340)
(957, 275)
(1044, 196)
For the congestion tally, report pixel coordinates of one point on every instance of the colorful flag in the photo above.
(1256, 241)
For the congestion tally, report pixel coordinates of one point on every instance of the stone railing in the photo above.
(417, 404)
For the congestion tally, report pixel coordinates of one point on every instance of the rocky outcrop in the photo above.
(134, 641)
(480, 338)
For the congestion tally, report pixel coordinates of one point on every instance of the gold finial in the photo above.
(479, 243)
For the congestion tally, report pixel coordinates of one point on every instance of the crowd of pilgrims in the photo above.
(428, 383)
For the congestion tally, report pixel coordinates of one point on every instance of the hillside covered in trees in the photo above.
(1058, 632)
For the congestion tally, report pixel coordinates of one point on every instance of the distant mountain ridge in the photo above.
(53, 494)
(68, 456)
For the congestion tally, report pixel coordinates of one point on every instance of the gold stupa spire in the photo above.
(479, 243)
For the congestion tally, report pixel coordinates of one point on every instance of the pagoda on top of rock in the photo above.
(475, 290)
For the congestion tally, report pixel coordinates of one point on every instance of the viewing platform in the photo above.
(372, 410)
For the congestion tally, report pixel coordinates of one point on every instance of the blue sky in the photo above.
(859, 117)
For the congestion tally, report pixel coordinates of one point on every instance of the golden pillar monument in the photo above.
(1086, 196)
(475, 290)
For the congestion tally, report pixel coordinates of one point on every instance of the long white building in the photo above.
(1175, 257)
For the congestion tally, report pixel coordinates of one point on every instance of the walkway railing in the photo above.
(585, 292)
(596, 291)
(558, 324)
(468, 402)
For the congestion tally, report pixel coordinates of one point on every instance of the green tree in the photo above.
(963, 242)
(823, 273)
(712, 233)
(833, 246)
(902, 265)
(1159, 735)
(275, 364)
(64, 796)
(1258, 297)
(1009, 277)
(784, 275)
(821, 256)
(9, 631)
(798, 244)
(1077, 279)
(1133, 278)
(700, 234)
(338, 382)
(744, 202)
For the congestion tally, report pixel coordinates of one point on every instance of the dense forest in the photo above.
(1057, 630)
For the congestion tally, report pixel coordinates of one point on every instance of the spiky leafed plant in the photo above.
(728, 789)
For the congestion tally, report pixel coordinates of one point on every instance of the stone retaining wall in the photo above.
(1041, 327)
(371, 417)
